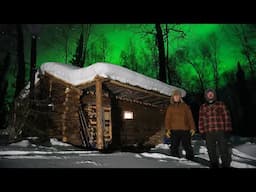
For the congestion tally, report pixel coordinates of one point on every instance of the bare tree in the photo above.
(198, 60)
(214, 59)
(200, 74)
(172, 32)
(161, 53)
(160, 37)
(151, 59)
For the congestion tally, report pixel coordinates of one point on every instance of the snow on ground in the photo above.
(25, 154)
(243, 153)
(75, 76)
(24, 143)
(248, 148)
(31, 157)
(160, 156)
(17, 152)
(55, 142)
(88, 162)
(162, 146)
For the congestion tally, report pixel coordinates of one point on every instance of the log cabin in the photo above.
(104, 105)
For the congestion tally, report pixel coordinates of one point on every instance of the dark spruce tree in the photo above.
(3, 89)
(246, 106)
(20, 81)
(79, 57)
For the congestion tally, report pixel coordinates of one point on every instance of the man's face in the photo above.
(210, 95)
(176, 98)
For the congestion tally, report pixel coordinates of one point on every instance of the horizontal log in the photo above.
(66, 109)
(61, 99)
(68, 124)
(92, 101)
(60, 123)
(72, 132)
(65, 117)
(63, 92)
(69, 104)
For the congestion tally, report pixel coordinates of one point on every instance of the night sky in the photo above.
(118, 39)
(192, 50)
(135, 44)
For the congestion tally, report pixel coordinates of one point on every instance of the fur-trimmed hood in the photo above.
(176, 92)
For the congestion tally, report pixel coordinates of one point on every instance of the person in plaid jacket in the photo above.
(214, 123)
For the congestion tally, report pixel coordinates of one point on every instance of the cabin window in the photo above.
(128, 115)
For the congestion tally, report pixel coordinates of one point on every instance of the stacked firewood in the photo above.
(108, 125)
(89, 108)
(66, 101)
(90, 111)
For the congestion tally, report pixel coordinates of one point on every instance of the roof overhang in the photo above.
(130, 93)
(123, 91)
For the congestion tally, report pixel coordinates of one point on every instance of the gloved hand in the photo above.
(168, 133)
(192, 132)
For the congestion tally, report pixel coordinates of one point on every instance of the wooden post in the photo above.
(99, 114)
(64, 127)
(50, 88)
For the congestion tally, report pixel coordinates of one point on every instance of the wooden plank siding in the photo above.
(146, 122)
(104, 102)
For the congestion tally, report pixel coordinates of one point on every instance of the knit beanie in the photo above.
(212, 100)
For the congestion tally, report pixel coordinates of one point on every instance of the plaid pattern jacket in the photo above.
(214, 117)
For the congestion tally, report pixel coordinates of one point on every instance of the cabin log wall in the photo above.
(65, 117)
(66, 125)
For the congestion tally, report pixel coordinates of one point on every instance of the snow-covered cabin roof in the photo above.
(77, 76)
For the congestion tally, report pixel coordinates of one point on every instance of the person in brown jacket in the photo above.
(179, 125)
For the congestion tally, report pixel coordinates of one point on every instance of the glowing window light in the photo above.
(128, 115)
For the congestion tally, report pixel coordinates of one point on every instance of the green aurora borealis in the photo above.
(193, 52)
(136, 42)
